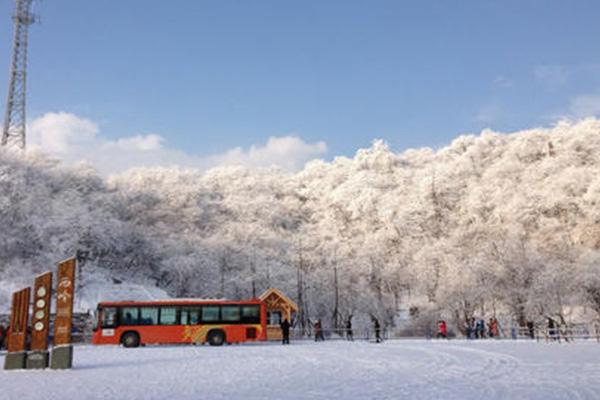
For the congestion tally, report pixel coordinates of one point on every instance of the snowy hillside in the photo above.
(331, 370)
(95, 290)
(492, 223)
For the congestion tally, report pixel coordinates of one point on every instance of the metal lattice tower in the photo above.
(13, 134)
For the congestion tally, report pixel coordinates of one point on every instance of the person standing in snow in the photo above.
(2, 336)
(489, 328)
(442, 329)
(377, 328)
(349, 335)
(551, 329)
(493, 327)
(285, 331)
(531, 329)
(480, 329)
(318, 331)
(470, 328)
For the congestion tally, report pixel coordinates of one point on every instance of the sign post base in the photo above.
(37, 359)
(15, 360)
(62, 357)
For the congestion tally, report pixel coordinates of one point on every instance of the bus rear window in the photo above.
(251, 314)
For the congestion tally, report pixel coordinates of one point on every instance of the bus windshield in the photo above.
(109, 317)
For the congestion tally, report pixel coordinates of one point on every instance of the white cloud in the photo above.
(140, 142)
(57, 133)
(288, 152)
(74, 139)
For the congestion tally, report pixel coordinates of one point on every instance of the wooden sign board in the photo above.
(18, 321)
(40, 319)
(65, 289)
(19, 316)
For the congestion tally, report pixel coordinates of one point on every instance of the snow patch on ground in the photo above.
(411, 369)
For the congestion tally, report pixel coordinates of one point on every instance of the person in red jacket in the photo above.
(442, 329)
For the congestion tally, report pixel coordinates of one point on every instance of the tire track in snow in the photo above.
(507, 371)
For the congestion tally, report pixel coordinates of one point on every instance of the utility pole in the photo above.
(13, 134)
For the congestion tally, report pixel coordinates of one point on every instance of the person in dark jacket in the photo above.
(531, 329)
(285, 331)
(480, 329)
(377, 328)
(2, 336)
(349, 335)
(552, 329)
(470, 328)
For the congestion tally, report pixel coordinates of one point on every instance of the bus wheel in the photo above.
(130, 339)
(216, 338)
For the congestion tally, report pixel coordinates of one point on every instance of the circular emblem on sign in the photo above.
(64, 283)
(41, 292)
(40, 303)
(39, 326)
(39, 314)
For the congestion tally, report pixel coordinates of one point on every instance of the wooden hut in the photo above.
(279, 307)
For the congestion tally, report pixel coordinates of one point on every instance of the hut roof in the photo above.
(279, 294)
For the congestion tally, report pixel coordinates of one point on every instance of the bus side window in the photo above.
(168, 315)
(149, 316)
(210, 314)
(190, 316)
(129, 315)
(230, 313)
(184, 317)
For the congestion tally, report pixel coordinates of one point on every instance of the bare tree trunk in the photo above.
(337, 298)
(300, 289)
(222, 268)
(253, 270)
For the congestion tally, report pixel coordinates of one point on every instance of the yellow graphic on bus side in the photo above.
(197, 334)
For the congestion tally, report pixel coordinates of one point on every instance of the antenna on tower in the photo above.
(13, 134)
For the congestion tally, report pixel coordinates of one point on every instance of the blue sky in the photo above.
(211, 75)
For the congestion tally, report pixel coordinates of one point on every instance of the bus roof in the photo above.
(167, 302)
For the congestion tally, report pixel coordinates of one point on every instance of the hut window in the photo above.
(274, 317)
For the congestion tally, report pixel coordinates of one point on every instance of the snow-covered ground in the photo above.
(406, 369)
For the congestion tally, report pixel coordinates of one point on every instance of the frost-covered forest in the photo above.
(492, 223)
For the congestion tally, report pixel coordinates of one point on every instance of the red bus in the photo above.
(135, 323)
